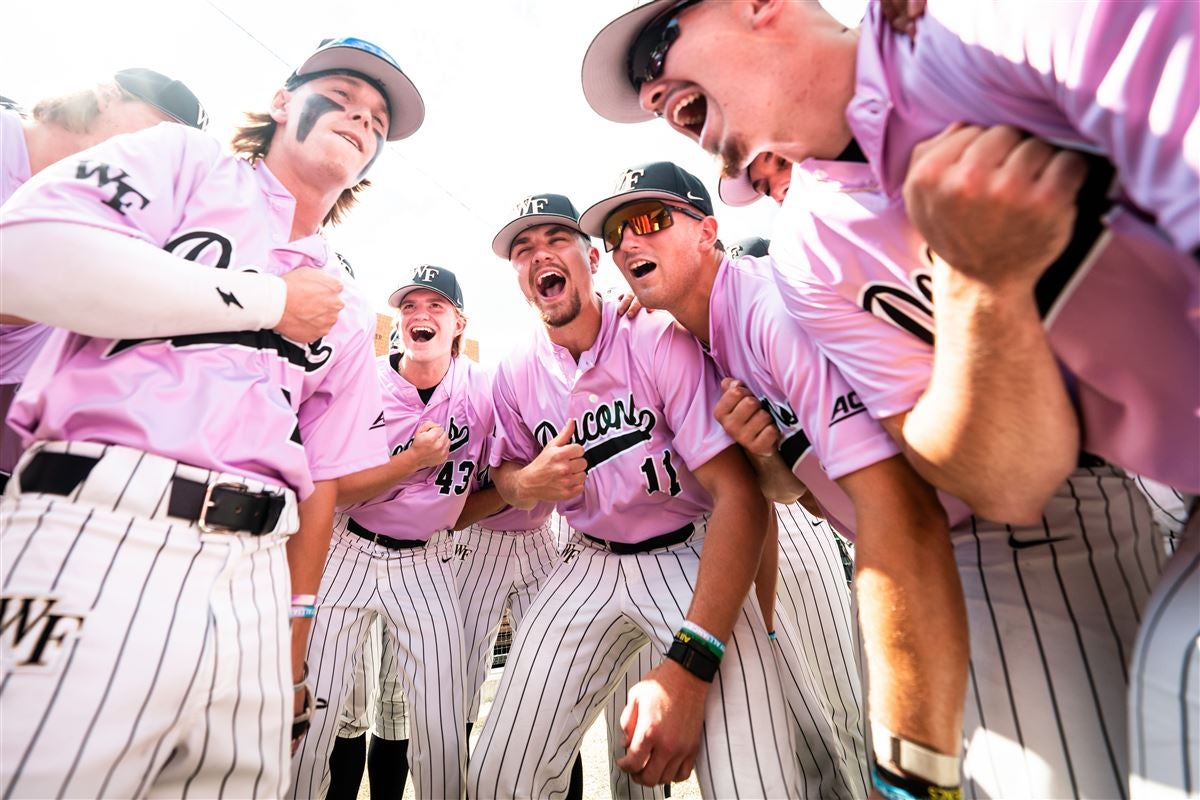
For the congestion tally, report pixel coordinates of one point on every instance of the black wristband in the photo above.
(888, 782)
(695, 660)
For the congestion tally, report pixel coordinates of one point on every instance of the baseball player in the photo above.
(392, 549)
(182, 465)
(860, 246)
(812, 591)
(663, 237)
(609, 417)
(61, 126)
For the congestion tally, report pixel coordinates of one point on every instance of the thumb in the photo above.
(629, 719)
(424, 426)
(564, 436)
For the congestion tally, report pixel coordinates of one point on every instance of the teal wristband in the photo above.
(714, 644)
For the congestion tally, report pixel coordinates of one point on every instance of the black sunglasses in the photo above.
(649, 51)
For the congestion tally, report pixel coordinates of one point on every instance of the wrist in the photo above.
(274, 300)
(912, 761)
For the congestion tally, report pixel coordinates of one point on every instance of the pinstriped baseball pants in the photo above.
(141, 657)
(594, 613)
(815, 623)
(413, 592)
(1054, 610)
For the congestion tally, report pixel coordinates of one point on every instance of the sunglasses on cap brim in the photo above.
(648, 216)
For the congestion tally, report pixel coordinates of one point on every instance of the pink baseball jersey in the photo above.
(19, 344)
(1121, 79)
(842, 247)
(824, 428)
(250, 402)
(642, 399)
(430, 500)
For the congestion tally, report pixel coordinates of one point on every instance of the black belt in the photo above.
(224, 506)
(382, 540)
(628, 549)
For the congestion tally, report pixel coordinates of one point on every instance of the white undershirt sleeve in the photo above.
(99, 283)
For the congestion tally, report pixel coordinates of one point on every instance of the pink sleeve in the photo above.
(338, 422)
(686, 380)
(845, 438)
(135, 184)
(888, 367)
(1129, 81)
(511, 440)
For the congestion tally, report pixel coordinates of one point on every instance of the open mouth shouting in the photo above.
(421, 333)
(688, 112)
(550, 284)
(640, 267)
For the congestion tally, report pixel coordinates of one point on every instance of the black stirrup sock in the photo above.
(387, 768)
(346, 764)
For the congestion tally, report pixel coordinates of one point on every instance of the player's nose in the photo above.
(652, 95)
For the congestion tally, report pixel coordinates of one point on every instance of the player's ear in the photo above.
(279, 106)
(593, 259)
(106, 95)
(764, 12)
(460, 323)
(708, 234)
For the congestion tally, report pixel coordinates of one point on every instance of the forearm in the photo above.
(507, 478)
(362, 486)
(768, 569)
(912, 613)
(733, 545)
(99, 283)
(480, 505)
(776, 481)
(306, 552)
(996, 426)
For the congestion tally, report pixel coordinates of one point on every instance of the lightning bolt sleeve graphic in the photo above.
(229, 298)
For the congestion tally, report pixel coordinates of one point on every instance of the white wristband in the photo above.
(909, 758)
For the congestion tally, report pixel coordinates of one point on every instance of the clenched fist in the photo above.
(745, 420)
(314, 299)
(994, 204)
(430, 446)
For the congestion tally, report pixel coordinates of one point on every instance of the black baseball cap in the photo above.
(373, 64)
(607, 64)
(534, 210)
(755, 246)
(436, 279)
(658, 180)
(169, 96)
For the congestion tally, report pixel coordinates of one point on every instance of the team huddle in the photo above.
(243, 556)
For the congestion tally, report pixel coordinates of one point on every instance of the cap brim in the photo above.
(738, 191)
(407, 107)
(502, 244)
(605, 65)
(592, 220)
(397, 296)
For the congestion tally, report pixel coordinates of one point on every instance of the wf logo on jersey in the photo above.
(846, 406)
(611, 428)
(34, 631)
(124, 195)
(569, 553)
(531, 205)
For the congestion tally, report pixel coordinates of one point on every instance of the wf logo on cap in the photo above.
(531, 205)
(425, 274)
(629, 180)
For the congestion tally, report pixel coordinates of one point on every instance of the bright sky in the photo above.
(505, 115)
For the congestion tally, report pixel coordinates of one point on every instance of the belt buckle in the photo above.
(209, 503)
